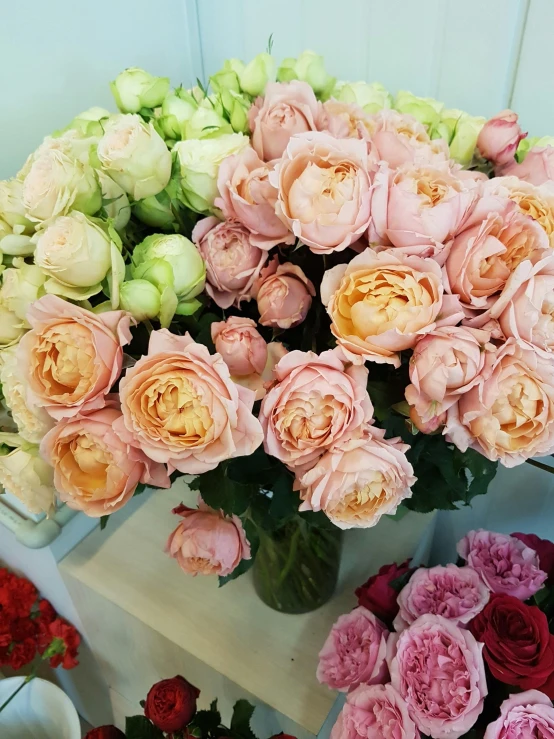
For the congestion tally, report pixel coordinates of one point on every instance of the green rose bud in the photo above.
(89, 122)
(371, 98)
(526, 144)
(156, 211)
(177, 108)
(255, 76)
(287, 71)
(206, 122)
(460, 130)
(425, 110)
(141, 298)
(236, 108)
(310, 68)
(225, 79)
(134, 89)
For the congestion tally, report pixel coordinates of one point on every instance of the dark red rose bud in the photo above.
(105, 732)
(171, 704)
(378, 596)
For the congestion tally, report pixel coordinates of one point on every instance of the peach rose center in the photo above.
(363, 503)
(537, 209)
(202, 565)
(88, 465)
(64, 362)
(307, 420)
(321, 191)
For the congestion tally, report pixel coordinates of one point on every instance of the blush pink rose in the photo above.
(354, 652)
(374, 712)
(94, 470)
(525, 308)
(233, 261)
(445, 364)
(324, 190)
(260, 382)
(206, 542)
(499, 138)
(71, 356)
(506, 565)
(181, 407)
(400, 139)
(358, 480)
(456, 593)
(316, 402)
(242, 347)
(438, 670)
(537, 167)
(535, 201)
(248, 196)
(284, 295)
(528, 715)
(288, 108)
(381, 303)
(509, 414)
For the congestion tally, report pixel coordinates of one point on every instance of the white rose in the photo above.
(12, 328)
(199, 161)
(12, 209)
(24, 474)
(32, 422)
(21, 286)
(134, 89)
(135, 156)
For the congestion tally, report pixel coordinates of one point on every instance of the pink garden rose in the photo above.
(537, 167)
(374, 712)
(206, 542)
(528, 715)
(499, 138)
(345, 121)
(94, 470)
(456, 593)
(438, 670)
(506, 564)
(71, 356)
(241, 346)
(509, 414)
(316, 402)
(288, 108)
(535, 201)
(324, 190)
(358, 480)
(354, 652)
(248, 197)
(284, 295)
(181, 407)
(233, 261)
(445, 364)
(380, 304)
(525, 308)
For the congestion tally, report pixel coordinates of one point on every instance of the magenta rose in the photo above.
(456, 593)
(288, 108)
(354, 652)
(544, 549)
(284, 295)
(438, 670)
(374, 712)
(233, 262)
(499, 137)
(528, 715)
(248, 197)
(537, 167)
(506, 565)
(378, 595)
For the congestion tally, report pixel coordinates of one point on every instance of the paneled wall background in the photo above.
(57, 57)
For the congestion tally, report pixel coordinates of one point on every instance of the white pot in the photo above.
(39, 711)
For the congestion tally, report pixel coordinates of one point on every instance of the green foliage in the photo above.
(139, 727)
(103, 522)
(219, 491)
(206, 723)
(240, 723)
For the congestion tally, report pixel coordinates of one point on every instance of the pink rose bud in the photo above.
(536, 168)
(499, 138)
(429, 426)
(243, 349)
(284, 295)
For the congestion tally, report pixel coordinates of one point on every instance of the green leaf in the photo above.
(213, 705)
(400, 583)
(103, 522)
(220, 492)
(240, 723)
(139, 727)
(401, 511)
(285, 501)
(257, 469)
(207, 722)
(140, 488)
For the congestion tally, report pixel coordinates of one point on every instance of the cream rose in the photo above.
(324, 190)
(380, 304)
(24, 474)
(12, 209)
(535, 202)
(22, 284)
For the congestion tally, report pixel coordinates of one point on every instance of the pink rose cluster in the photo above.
(423, 670)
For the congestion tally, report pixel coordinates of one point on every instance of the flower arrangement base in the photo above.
(297, 566)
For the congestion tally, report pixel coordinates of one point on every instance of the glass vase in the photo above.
(297, 566)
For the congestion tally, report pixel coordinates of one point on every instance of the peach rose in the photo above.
(324, 190)
(181, 407)
(288, 108)
(535, 202)
(348, 121)
(446, 363)
(419, 205)
(400, 139)
(482, 258)
(358, 480)
(206, 542)
(499, 137)
(509, 415)
(284, 295)
(233, 262)
(537, 167)
(380, 304)
(248, 197)
(94, 470)
(72, 356)
(259, 382)
(316, 402)
(241, 346)
(525, 308)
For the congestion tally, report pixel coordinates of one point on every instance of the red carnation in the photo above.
(64, 644)
(5, 629)
(23, 628)
(377, 594)
(17, 596)
(22, 653)
(105, 732)
(171, 704)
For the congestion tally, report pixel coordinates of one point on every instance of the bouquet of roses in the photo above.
(197, 285)
(461, 650)
(170, 711)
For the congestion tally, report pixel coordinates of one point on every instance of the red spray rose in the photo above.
(105, 732)
(171, 704)
(519, 649)
(378, 596)
(544, 550)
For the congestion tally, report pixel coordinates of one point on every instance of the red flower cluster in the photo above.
(29, 625)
